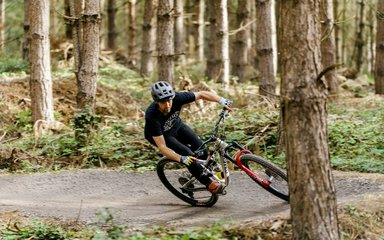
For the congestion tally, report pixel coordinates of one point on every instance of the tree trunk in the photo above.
(76, 9)
(165, 41)
(312, 191)
(2, 23)
(179, 33)
(371, 41)
(40, 62)
(359, 42)
(211, 70)
(328, 46)
(27, 36)
(267, 85)
(89, 56)
(337, 30)
(379, 65)
(240, 61)
(222, 41)
(199, 32)
(68, 26)
(53, 21)
(344, 34)
(132, 29)
(149, 36)
(111, 43)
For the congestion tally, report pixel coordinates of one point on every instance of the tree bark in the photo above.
(200, 26)
(132, 31)
(379, 65)
(328, 46)
(211, 70)
(222, 42)
(240, 61)
(359, 42)
(89, 55)
(27, 36)
(68, 26)
(179, 33)
(111, 43)
(76, 9)
(337, 30)
(2, 23)
(149, 36)
(312, 191)
(267, 85)
(40, 62)
(165, 41)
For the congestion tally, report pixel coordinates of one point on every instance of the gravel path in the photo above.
(139, 199)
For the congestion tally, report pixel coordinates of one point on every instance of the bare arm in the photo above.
(208, 96)
(166, 151)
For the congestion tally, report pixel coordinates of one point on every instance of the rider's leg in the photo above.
(187, 136)
(195, 168)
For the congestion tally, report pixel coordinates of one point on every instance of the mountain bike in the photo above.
(179, 181)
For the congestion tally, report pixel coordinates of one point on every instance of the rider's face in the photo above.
(165, 106)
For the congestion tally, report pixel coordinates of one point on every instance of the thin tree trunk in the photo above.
(111, 43)
(132, 29)
(40, 62)
(337, 29)
(379, 65)
(89, 55)
(222, 50)
(76, 10)
(199, 36)
(240, 54)
(359, 42)
(27, 36)
(328, 46)
(68, 26)
(179, 33)
(344, 33)
(211, 70)
(165, 41)
(53, 21)
(149, 36)
(371, 41)
(304, 95)
(2, 24)
(267, 85)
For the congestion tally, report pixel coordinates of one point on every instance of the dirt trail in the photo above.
(139, 199)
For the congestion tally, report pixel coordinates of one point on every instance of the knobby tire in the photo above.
(169, 176)
(280, 190)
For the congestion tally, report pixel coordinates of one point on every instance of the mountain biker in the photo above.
(176, 140)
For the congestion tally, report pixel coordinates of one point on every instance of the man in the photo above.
(175, 140)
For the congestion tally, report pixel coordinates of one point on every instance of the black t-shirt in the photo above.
(157, 124)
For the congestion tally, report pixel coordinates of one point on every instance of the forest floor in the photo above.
(80, 197)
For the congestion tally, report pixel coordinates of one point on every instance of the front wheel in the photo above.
(179, 181)
(275, 177)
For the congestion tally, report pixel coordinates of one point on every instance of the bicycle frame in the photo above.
(222, 148)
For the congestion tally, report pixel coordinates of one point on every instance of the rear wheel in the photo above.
(179, 181)
(276, 177)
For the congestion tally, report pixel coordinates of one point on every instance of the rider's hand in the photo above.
(187, 160)
(226, 103)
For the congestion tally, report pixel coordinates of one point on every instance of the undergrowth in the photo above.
(354, 223)
(356, 135)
